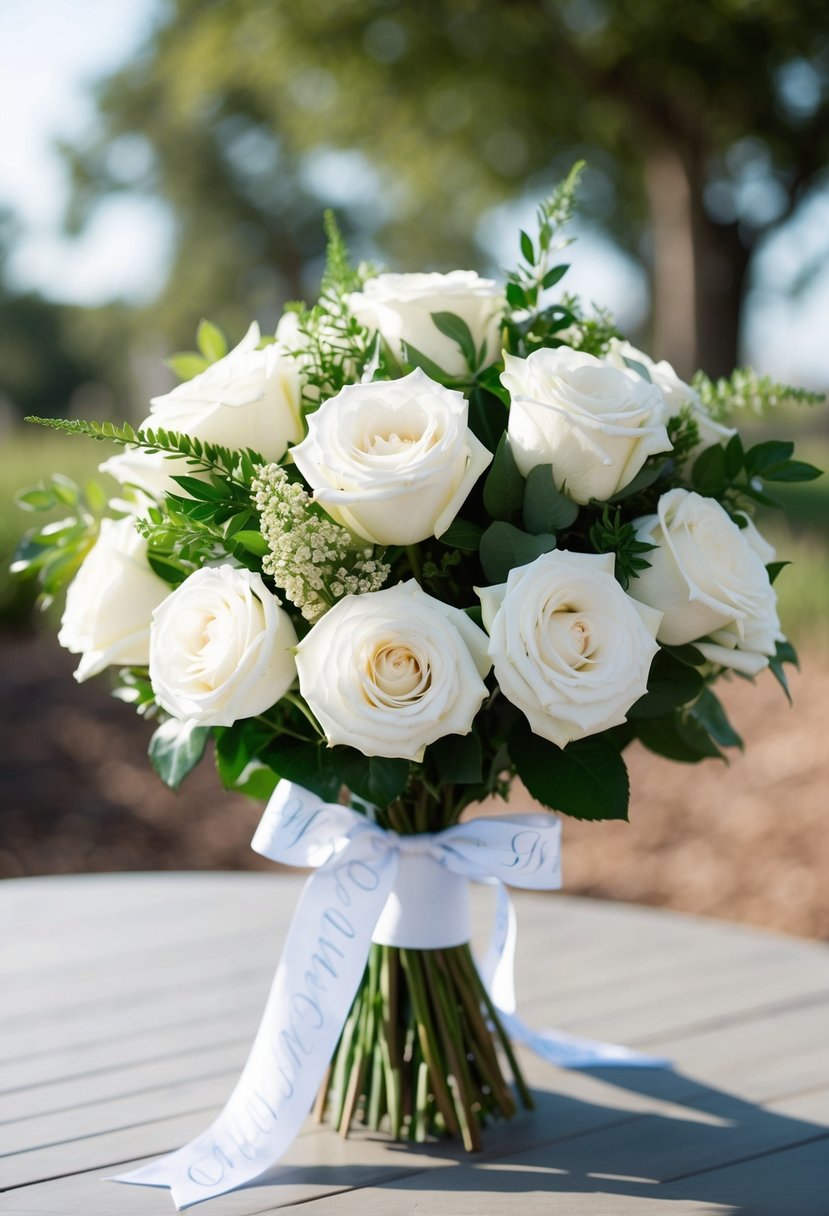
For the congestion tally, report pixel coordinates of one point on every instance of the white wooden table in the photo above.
(128, 1004)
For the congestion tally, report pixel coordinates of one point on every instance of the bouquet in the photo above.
(436, 535)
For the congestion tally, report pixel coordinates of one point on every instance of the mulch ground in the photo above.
(747, 842)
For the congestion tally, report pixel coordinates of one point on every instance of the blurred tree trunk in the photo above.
(674, 288)
(699, 269)
(720, 269)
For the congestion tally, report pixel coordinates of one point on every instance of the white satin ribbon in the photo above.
(351, 897)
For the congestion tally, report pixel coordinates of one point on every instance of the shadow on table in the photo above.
(704, 1147)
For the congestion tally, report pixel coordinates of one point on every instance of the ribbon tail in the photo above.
(554, 1046)
(318, 975)
(573, 1051)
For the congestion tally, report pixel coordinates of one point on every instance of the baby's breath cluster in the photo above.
(313, 560)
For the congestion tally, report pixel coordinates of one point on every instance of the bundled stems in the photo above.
(418, 1055)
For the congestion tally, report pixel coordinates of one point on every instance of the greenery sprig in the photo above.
(237, 467)
(745, 391)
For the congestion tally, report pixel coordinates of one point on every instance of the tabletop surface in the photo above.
(128, 1003)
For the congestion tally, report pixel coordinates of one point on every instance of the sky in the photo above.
(51, 51)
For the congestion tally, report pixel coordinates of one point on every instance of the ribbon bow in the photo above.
(367, 884)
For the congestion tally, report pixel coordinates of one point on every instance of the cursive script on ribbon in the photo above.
(355, 865)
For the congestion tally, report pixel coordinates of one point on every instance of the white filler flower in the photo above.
(221, 648)
(708, 577)
(392, 460)
(570, 649)
(248, 399)
(400, 307)
(596, 424)
(110, 601)
(392, 671)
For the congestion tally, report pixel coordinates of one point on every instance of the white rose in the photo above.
(676, 394)
(570, 649)
(248, 399)
(400, 307)
(596, 424)
(110, 601)
(708, 577)
(391, 671)
(296, 347)
(150, 472)
(221, 648)
(392, 460)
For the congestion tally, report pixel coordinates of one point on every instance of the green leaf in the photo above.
(36, 499)
(457, 330)
(784, 653)
(774, 569)
(527, 248)
(709, 475)
(792, 470)
(503, 546)
(671, 683)
(504, 485)
(462, 534)
(458, 759)
(686, 654)
(662, 735)
(416, 358)
(167, 568)
(200, 490)
(647, 475)
(709, 713)
(546, 509)
(552, 276)
(211, 341)
(376, 779)
(764, 455)
(488, 404)
(516, 296)
(254, 542)
(65, 490)
(187, 364)
(587, 779)
(237, 746)
(308, 764)
(697, 736)
(640, 368)
(734, 456)
(96, 497)
(175, 750)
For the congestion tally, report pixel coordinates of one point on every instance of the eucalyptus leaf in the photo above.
(503, 546)
(462, 534)
(504, 485)
(175, 750)
(640, 368)
(546, 509)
